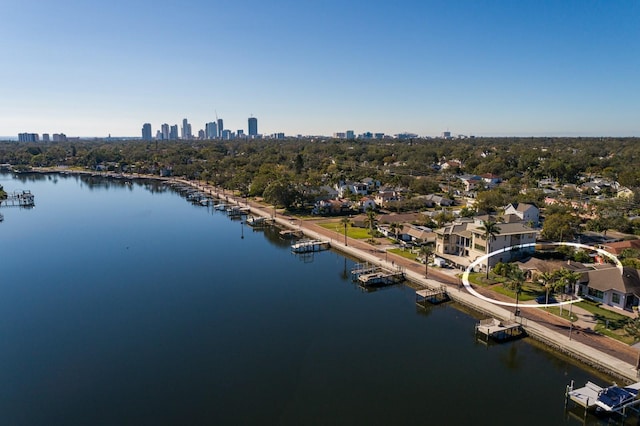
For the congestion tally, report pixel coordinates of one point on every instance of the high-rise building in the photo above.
(220, 128)
(253, 126)
(165, 131)
(186, 129)
(350, 134)
(28, 137)
(173, 133)
(45, 137)
(226, 135)
(211, 130)
(146, 132)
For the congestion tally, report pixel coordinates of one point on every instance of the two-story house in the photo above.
(463, 242)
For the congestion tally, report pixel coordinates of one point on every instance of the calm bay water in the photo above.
(125, 304)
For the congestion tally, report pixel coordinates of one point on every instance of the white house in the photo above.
(528, 213)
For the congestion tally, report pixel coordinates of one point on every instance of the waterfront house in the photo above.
(463, 242)
(607, 284)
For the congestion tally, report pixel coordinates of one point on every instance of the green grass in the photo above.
(527, 293)
(565, 312)
(352, 232)
(404, 253)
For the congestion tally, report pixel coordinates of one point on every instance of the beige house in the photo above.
(461, 243)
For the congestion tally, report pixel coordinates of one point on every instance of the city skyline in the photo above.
(531, 68)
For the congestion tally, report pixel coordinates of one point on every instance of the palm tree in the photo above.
(393, 227)
(518, 278)
(490, 229)
(426, 250)
(371, 220)
(346, 222)
(567, 279)
(547, 279)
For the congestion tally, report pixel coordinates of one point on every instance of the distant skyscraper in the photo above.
(220, 127)
(211, 130)
(158, 135)
(28, 137)
(253, 126)
(186, 129)
(45, 137)
(146, 132)
(349, 134)
(173, 132)
(226, 134)
(165, 131)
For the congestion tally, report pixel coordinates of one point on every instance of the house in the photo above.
(420, 235)
(367, 203)
(618, 246)
(346, 188)
(386, 195)
(528, 213)
(462, 242)
(331, 207)
(491, 180)
(471, 182)
(371, 183)
(437, 200)
(609, 285)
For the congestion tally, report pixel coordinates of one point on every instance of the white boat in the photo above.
(614, 398)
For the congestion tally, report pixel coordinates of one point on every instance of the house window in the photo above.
(478, 247)
(596, 293)
(615, 297)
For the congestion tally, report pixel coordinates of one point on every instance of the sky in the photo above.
(473, 67)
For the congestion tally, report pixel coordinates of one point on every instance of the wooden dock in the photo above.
(498, 330)
(371, 275)
(310, 246)
(433, 296)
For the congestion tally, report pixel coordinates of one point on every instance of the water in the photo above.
(125, 304)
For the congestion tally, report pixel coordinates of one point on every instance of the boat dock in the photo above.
(433, 296)
(309, 246)
(498, 330)
(19, 199)
(613, 399)
(259, 221)
(371, 275)
(290, 234)
(236, 211)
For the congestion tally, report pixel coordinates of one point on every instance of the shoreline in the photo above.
(584, 353)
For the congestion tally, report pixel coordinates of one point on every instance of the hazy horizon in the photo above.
(534, 67)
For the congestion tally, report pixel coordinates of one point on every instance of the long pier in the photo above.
(19, 199)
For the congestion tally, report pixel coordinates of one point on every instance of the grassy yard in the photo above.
(528, 292)
(352, 232)
(404, 253)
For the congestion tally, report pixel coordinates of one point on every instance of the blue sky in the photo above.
(476, 67)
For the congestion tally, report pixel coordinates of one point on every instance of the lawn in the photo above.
(352, 232)
(404, 253)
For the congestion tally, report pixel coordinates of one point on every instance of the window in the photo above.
(596, 293)
(478, 247)
(615, 297)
